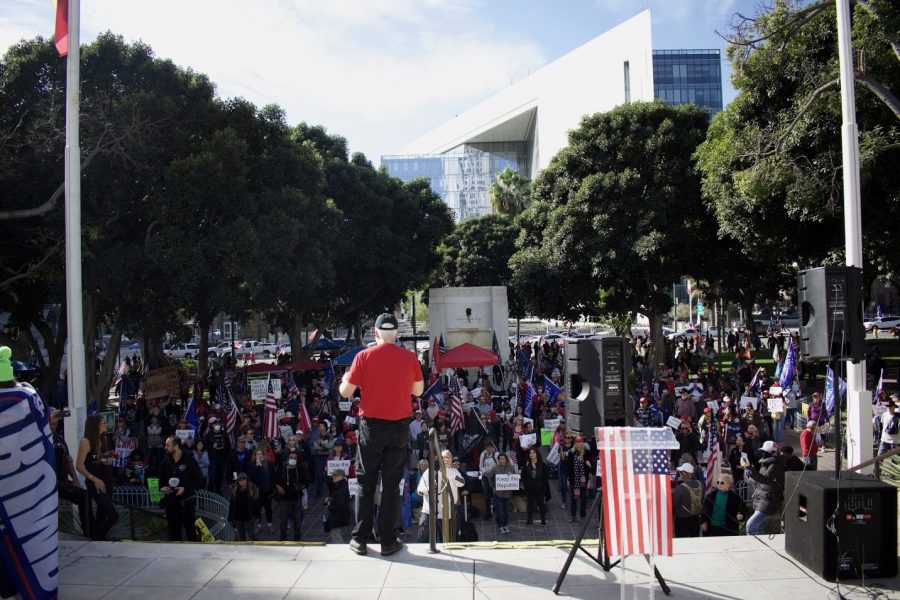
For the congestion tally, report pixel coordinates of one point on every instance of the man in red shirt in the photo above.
(387, 376)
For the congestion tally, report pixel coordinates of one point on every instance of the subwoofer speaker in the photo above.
(831, 313)
(597, 384)
(845, 528)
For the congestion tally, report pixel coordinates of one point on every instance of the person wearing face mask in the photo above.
(218, 447)
(181, 477)
(290, 486)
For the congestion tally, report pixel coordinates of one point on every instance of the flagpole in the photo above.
(77, 375)
(859, 401)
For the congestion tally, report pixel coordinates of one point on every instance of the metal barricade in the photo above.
(744, 490)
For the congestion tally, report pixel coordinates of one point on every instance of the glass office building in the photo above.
(463, 176)
(524, 126)
(685, 76)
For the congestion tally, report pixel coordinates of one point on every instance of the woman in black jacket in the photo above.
(723, 510)
(534, 476)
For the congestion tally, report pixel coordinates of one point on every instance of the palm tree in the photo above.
(511, 194)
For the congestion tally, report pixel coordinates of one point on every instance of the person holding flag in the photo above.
(387, 376)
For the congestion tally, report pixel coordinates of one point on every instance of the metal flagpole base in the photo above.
(602, 557)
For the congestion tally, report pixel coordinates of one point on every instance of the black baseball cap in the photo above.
(386, 321)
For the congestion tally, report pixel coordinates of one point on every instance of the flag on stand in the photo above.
(456, 412)
(441, 345)
(790, 367)
(329, 376)
(270, 423)
(713, 466)
(61, 34)
(637, 497)
(495, 346)
(529, 394)
(878, 388)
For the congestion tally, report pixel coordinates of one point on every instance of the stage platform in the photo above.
(716, 568)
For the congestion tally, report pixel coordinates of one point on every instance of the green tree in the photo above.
(616, 217)
(510, 194)
(772, 161)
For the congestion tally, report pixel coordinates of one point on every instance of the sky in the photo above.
(381, 73)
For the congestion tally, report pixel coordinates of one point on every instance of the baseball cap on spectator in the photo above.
(213, 420)
(386, 321)
(769, 446)
(685, 468)
(707, 410)
(726, 399)
(644, 400)
(242, 476)
(579, 440)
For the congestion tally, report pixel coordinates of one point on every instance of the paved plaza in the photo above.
(716, 568)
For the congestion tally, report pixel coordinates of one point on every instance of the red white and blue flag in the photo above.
(637, 497)
(270, 423)
(713, 465)
(456, 412)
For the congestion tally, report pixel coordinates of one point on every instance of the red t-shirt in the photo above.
(385, 375)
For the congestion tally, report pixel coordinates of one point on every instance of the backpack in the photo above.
(696, 505)
(893, 426)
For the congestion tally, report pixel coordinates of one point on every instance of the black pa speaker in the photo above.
(831, 313)
(597, 384)
(861, 538)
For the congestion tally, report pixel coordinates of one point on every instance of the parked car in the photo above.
(189, 350)
(259, 349)
(682, 335)
(887, 322)
(219, 350)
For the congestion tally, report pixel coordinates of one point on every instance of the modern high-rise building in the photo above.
(526, 124)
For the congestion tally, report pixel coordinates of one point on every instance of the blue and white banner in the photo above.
(28, 502)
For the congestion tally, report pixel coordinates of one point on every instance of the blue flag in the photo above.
(552, 390)
(790, 367)
(329, 376)
(754, 383)
(829, 390)
(190, 417)
(28, 499)
(878, 388)
(436, 388)
(529, 393)
(92, 406)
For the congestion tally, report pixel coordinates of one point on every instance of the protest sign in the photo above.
(673, 422)
(528, 440)
(184, 434)
(110, 417)
(350, 420)
(553, 456)
(776, 405)
(343, 465)
(153, 488)
(258, 389)
(547, 436)
(162, 383)
(713, 405)
(775, 390)
(506, 482)
(279, 414)
(749, 400)
(353, 485)
(551, 424)
(344, 405)
(286, 431)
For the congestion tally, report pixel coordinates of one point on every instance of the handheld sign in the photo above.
(673, 422)
(506, 482)
(344, 405)
(749, 400)
(713, 405)
(776, 405)
(353, 484)
(343, 465)
(184, 434)
(528, 440)
(258, 389)
(286, 431)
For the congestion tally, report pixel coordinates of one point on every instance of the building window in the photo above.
(627, 70)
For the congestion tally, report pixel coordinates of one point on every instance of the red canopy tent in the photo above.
(467, 355)
(300, 365)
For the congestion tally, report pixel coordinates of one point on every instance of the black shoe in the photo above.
(392, 548)
(358, 547)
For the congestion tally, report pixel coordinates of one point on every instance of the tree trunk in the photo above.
(656, 335)
(203, 352)
(154, 356)
(295, 335)
(54, 345)
(357, 326)
(518, 329)
(747, 307)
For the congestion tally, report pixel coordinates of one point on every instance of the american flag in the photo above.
(270, 423)
(495, 346)
(456, 412)
(637, 498)
(878, 388)
(435, 368)
(754, 383)
(231, 416)
(329, 376)
(713, 465)
(123, 370)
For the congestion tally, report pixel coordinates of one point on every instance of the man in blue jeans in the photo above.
(387, 375)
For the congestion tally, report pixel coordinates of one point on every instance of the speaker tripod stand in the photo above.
(602, 557)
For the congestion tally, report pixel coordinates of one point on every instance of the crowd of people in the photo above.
(507, 419)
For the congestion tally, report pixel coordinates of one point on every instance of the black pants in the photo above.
(79, 497)
(536, 498)
(181, 516)
(382, 448)
(686, 526)
(107, 516)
